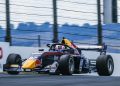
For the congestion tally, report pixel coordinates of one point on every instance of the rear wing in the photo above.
(100, 48)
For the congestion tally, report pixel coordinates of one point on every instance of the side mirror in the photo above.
(48, 45)
(41, 49)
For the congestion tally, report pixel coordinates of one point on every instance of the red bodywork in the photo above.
(52, 53)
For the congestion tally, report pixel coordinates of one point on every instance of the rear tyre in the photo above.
(105, 65)
(66, 65)
(13, 59)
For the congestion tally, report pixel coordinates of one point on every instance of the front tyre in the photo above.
(13, 59)
(105, 65)
(66, 65)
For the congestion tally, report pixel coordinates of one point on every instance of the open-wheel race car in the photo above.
(62, 58)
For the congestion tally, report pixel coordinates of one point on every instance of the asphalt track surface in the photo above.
(55, 80)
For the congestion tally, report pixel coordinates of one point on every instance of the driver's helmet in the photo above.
(59, 47)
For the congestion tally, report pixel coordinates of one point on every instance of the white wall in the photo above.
(26, 51)
(5, 48)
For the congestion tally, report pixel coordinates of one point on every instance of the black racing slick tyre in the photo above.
(105, 65)
(66, 65)
(14, 59)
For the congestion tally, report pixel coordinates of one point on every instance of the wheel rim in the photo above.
(71, 65)
(110, 65)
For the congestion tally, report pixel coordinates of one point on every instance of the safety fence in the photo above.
(32, 22)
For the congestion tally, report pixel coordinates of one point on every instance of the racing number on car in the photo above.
(1, 53)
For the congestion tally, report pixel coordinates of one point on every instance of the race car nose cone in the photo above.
(29, 64)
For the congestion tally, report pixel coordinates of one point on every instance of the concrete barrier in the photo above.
(5, 48)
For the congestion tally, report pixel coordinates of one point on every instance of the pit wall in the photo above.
(25, 52)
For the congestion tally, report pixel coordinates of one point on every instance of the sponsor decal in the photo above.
(1, 53)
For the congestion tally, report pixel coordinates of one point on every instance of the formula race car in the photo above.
(62, 58)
